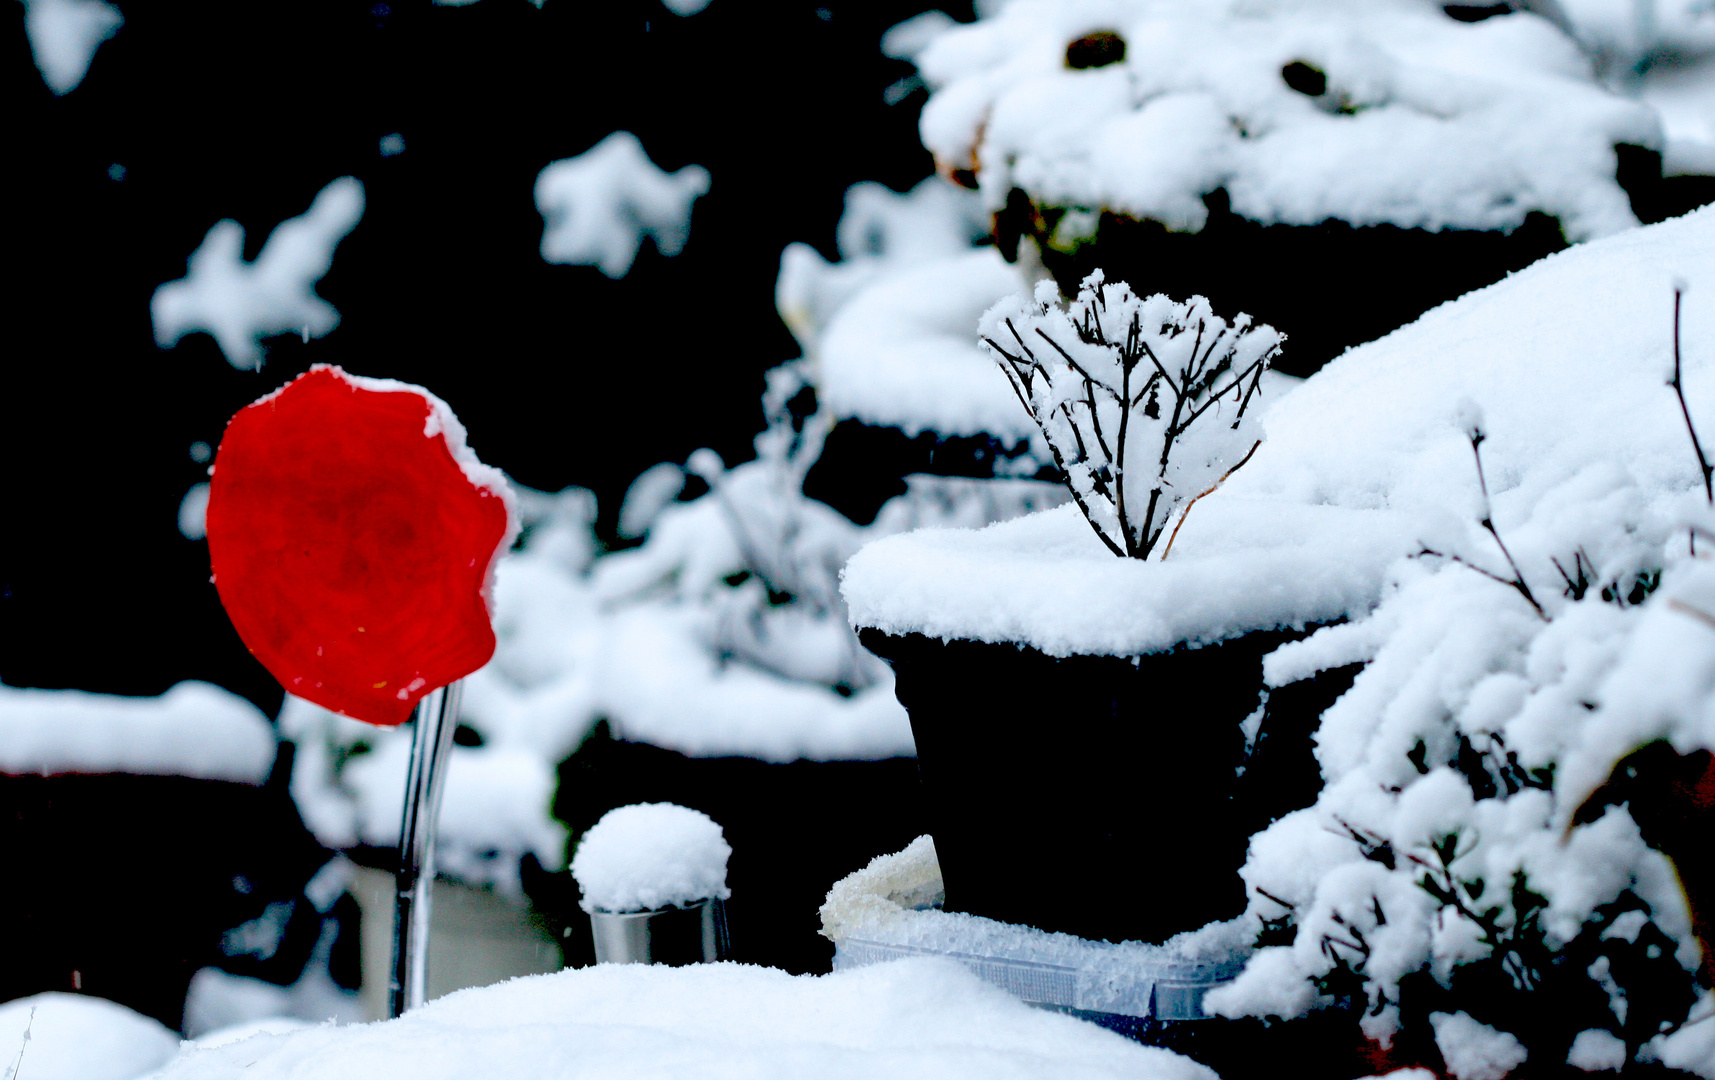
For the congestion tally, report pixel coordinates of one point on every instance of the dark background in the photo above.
(198, 111)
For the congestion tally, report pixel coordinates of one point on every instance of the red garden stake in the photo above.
(353, 538)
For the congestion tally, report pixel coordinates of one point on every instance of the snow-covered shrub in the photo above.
(1114, 378)
(1456, 882)
(760, 558)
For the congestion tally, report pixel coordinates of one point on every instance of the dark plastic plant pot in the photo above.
(864, 465)
(1095, 795)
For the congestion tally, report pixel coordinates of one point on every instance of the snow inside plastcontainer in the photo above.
(891, 909)
(650, 856)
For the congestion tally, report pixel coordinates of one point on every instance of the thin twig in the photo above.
(1694, 612)
(18, 1063)
(1168, 550)
(1119, 461)
(1679, 390)
(1488, 523)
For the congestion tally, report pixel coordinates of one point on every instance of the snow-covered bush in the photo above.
(1115, 376)
(1469, 880)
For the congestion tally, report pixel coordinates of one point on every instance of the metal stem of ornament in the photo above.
(431, 748)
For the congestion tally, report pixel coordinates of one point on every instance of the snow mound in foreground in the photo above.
(75, 1037)
(911, 1020)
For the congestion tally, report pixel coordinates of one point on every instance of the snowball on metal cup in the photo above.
(653, 878)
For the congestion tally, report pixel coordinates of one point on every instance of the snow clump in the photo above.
(1454, 838)
(64, 35)
(1475, 1051)
(651, 856)
(240, 303)
(195, 729)
(599, 207)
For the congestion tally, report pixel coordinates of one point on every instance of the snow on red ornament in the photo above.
(353, 537)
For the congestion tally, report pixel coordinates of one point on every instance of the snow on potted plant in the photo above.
(1082, 720)
(1201, 147)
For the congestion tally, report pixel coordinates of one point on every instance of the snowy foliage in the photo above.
(600, 206)
(240, 303)
(1116, 377)
(1455, 861)
(892, 908)
(1365, 111)
(64, 35)
(348, 781)
(879, 230)
(886, 329)
(651, 856)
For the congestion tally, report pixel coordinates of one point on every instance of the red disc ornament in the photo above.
(353, 538)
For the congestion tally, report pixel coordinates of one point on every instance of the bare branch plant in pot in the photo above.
(1076, 781)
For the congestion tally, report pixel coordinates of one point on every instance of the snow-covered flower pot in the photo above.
(1082, 720)
(1128, 832)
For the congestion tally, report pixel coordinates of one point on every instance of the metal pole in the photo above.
(431, 747)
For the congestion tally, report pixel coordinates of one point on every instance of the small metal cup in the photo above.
(696, 934)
